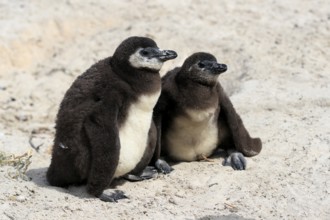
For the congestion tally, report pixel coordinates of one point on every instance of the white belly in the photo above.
(133, 134)
(192, 135)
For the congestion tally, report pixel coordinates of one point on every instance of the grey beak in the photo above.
(219, 67)
(165, 55)
(213, 66)
(162, 55)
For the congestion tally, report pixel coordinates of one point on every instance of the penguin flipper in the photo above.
(161, 165)
(241, 137)
(102, 131)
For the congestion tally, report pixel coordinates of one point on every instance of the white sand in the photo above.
(278, 54)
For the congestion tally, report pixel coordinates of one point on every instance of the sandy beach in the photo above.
(277, 53)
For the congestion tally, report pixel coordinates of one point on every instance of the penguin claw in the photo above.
(113, 197)
(236, 160)
(163, 167)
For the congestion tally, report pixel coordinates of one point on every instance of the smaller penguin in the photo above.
(104, 127)
(194, 116)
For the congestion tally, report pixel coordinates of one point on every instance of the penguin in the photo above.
(195, 117)
(104, 127)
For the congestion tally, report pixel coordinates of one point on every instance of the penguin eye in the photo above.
(144, 52)
(201, 65)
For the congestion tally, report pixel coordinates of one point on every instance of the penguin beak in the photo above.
(162, 55)
(218, 67)
(165, 55)
(213, 66)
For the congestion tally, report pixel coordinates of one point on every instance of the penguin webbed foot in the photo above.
(113, 197)
(236, 160)
(163, 167)
(148, 173)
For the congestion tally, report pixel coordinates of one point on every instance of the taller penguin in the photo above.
(104, 126)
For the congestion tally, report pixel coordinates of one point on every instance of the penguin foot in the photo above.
(236, 160)
(148, 173)
(163, 167)
(113, 197)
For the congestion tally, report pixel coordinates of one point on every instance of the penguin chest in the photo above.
(133, 134)
(192, 135)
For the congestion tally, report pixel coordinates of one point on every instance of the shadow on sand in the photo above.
(38, 176)
(224, 217)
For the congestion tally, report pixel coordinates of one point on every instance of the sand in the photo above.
(278, 56)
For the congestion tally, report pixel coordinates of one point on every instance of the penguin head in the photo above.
(202, 68)
(141, 53)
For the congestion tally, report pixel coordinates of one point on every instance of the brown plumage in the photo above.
(195, 115)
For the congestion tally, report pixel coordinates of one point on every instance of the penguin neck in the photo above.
(194, 84)
(197, 95)
(140, 80)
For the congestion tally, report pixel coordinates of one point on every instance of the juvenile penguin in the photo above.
(194, 116)
(104, 127)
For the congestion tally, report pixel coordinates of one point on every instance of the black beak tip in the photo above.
(168, 55)
(173, 54)
(223, 68)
